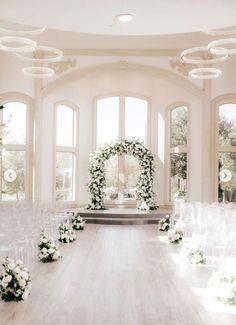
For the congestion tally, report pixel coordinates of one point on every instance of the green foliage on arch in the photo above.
(144, 187)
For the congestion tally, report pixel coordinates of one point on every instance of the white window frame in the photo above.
(68, 149)
(28, 146)
(216, 103)
(177, 149)
(121, 128)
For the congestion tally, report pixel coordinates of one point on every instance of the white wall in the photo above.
(162, 89)
(162, 94)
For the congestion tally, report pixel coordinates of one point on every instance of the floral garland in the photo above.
(223, 284)
(77, 222)
(67, 234)
(144, 187)
(48, 249)
(14, 281)
(164, 223)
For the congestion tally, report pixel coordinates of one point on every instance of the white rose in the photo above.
(22, 283)
(17, 270)
(24, 275)
(51, 251)
(8, 278)
(3, 284)
(44, 250)
(25, 295)
(44, 240)
(11, 265)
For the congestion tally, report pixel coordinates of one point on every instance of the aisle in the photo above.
(114, 275)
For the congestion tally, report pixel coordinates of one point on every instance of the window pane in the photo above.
(13, 171)
(227, 179)
(107, 120)
(111, 176)
(65, 176)
(136, 110)
(14, 116)
(227, 124)
(131, 174)
(65, 123)
(178, 169)
(179, 126)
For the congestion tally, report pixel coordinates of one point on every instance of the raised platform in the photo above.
(114, 216)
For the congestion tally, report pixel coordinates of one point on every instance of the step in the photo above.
(122, 221)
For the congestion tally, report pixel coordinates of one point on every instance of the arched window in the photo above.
(178, 152)
(66, 153)
(16, 171)
(126, 117)
(226, 148)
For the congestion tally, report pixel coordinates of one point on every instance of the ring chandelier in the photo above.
(205, 73)
(13, 32)
(21, 46)
(220, 32)
(25, 44)
(38, 72)
(222, 56)
(214, 48)
(219, 48)
(57, 55)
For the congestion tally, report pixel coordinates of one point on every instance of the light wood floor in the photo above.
(112, 275)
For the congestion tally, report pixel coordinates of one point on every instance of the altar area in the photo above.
(124, 216)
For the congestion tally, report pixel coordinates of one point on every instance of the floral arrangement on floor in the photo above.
(77, 222)
(144, 187)
(66, 232)
(14, 281)
(176, 234)
(164, 223)
(222, 284)
(194, 251)
(48, 249)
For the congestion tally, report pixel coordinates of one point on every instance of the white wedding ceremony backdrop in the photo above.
(117, 171)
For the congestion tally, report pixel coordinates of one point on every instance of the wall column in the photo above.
(207, 159)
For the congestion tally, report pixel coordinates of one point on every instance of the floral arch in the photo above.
(144, 187)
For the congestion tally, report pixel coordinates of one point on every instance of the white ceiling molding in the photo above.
(121, 52)
(114, 67)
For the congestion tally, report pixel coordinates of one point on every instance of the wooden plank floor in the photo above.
(112, 275)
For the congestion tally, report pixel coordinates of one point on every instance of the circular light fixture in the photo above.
(12, 31)
(213, 47)
(57, 55)
(38, 72)
(24, 44)
(223, 56)
(125, 17)
(205, 73)
(220, 32)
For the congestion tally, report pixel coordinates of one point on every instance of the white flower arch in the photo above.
(144, 187)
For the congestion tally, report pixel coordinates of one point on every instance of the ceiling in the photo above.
(151, 17)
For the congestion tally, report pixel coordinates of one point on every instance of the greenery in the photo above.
(48, 249)
(14, 281)
(179, 124)
(97, 182)
(16, 161)
(227, 160)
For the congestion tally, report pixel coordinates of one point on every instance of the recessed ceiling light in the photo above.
(125, 17)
